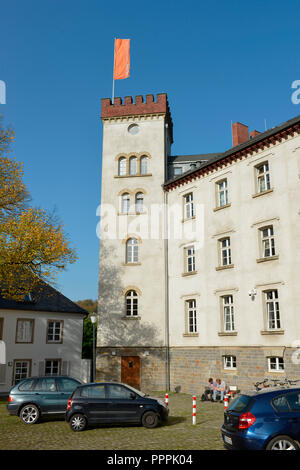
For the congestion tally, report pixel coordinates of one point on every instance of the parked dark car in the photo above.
(35, 397)
(113, 403)
(264, 420)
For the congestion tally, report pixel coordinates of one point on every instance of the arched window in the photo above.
(133, 166)
(122, 166)
(132, 251)
(139, 202)
(144, 165)
(125, 203)
(131, 303)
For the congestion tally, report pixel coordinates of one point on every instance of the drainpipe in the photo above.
(166, 260)
(167, 292)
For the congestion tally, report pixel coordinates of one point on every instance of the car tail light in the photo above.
(10, 399)
(246, 420)
(69, 404)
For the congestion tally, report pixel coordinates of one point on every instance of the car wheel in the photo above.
(29, 414)
(150, 419)
(282, 443)
(78, 422)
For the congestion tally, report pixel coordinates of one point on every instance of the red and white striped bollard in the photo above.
(167, 399)
(225, 402)
(194, 409)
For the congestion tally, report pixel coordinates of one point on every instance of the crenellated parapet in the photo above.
(128, 107)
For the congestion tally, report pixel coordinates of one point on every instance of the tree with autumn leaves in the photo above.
(33, 246)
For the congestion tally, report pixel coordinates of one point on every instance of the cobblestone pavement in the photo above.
(178, 434)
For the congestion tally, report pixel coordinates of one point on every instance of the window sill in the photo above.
(131, 264)
(268, 258)
(216, 209)
(131, 317)
(220, 268)
(189, 274)
(192, 335)
(268, 191)
(131, 213)
(227, 333)
(188, 218)
(132, 176)
(276, 371)
(272, 332)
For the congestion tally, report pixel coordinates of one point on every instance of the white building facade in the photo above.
(199, 267)
(41, 337)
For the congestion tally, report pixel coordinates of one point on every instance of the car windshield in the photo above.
(240, 403)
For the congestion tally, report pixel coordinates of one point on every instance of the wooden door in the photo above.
(130, 371)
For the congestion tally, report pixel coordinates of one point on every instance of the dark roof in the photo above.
(259, 138)
(192, 158)
(46, 299)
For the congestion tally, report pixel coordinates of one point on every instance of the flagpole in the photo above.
(113, 87)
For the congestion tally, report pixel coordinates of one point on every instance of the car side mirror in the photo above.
(132, 396)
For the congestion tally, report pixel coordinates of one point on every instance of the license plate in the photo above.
(228, 440)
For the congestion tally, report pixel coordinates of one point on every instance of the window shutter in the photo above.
(65, 368)
(2, 373)
(41, 368)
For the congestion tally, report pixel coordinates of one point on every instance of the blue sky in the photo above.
(217, 61)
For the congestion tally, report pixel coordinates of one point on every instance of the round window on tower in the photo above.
(133, 129)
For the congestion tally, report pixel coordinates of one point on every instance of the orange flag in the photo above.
(122, 59)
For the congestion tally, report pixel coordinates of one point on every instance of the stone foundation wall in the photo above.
(153, 366)
(191, 368)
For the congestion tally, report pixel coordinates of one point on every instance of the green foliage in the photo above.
(87, 342)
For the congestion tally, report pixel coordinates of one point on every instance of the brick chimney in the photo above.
(239, 133)
(254, 134)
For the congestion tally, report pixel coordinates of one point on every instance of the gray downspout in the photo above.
(166, 261)
(167, 292)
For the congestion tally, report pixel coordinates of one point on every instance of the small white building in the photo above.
(41, 336)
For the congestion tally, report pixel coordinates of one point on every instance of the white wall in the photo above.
(69, 351)
(241, 221)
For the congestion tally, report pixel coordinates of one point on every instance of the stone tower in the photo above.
(131, 338)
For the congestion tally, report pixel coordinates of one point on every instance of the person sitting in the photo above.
(219, 390)
(208, 393)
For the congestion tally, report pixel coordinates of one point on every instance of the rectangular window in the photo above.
(177, 170)
(272, 309)
(276, 364)
(133, 166)
(54, 331)
(228, 312)
(191, 316)
(263, 177)
(144, 165)
(229, 362)
(125, 203)
(52, 366)
(267, 242)
(188, 206)
(122, 166)
(21, 370)
(131, 304)
(190, 260)
(24, 333)
(225, 251)
(222, 193)
(132, 251)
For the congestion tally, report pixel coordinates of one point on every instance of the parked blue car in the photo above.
(35, 397)
(265, 420)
